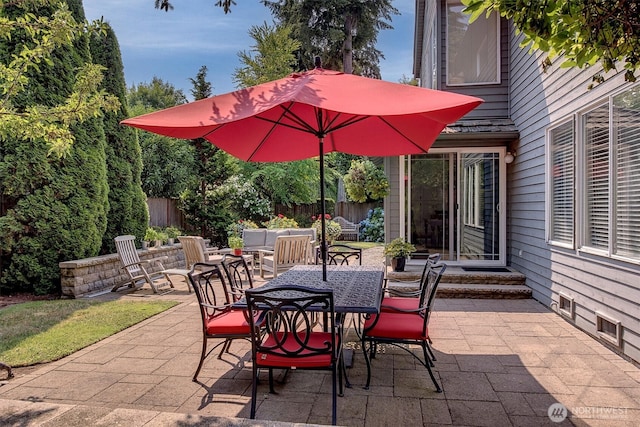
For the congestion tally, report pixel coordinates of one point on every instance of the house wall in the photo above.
(595, 283)
(495, 96)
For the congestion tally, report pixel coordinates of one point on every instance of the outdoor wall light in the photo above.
(509, 157)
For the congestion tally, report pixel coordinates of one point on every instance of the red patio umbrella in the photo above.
(312, 113)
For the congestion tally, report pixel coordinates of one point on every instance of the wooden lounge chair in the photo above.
(140, 272)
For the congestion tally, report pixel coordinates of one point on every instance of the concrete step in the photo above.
(458, 283)
(478, 290)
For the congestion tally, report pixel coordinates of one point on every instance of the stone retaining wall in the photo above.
(87, 276)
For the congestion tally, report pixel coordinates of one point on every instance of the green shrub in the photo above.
(281, 221)
(332, 228)
(372, 227)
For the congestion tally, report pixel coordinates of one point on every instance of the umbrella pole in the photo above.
(323, 242)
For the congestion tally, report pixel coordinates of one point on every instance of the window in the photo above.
(626, 126)
(596, 145)
(561, 181)
(473, 184)
(605, 193)
(472, 49)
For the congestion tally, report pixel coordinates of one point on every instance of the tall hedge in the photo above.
(55, 209)
(128, 212)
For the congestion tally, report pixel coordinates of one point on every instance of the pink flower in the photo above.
(313, 218)
(280, 216)
(327, 216)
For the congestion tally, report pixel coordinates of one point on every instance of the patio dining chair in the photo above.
(400, 327)
(340, 254)
(400, 295)
(287, 337)
(219, 319)
(140, 271)
(239, 277)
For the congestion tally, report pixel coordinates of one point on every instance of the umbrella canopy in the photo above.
(312, 113)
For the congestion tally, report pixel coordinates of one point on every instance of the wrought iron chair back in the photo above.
(285, 338)
(219, 319)
(238, 276)
(432, 260)
(399, 326)
(340, 254)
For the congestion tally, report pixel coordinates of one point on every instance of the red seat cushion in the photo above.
(397, 326)
(228, 323)
(316, 340)
(400, 303)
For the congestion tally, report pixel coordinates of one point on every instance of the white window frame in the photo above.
(581, 180)
(472, 179)
(581, 243)
(497, 79)
(549, 194)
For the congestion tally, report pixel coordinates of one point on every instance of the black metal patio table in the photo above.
(356, 288)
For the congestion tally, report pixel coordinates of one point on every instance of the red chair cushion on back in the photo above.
(316, 340)
(400, 303)
(397, 326)
(229, 322)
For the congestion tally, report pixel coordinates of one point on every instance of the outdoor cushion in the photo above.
(270, 240)
(254, 237)
(317, 340)
(303, 232)
(232, 322)
(397, 325)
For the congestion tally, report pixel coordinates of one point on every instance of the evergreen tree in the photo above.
(54, 207)
(128, 213)
(342, 32)
(168, 163)
(205, 208)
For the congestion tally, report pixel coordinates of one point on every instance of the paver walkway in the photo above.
(500, 362)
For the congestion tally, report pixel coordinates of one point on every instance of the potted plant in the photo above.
(236, 244)
(172, 234)
(161, 238)
(151, 235)
(398, 250)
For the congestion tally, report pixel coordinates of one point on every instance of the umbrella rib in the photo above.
(403, 135)
(346, 123)
(303, 127)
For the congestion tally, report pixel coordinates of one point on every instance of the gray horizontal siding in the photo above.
(537, 100)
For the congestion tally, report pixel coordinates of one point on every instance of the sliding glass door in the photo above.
(454, 204)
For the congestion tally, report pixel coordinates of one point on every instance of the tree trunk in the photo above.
(347, 46)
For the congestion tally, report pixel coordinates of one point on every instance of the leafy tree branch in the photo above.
(584, 32)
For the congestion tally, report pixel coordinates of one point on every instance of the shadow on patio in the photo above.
(500, 363)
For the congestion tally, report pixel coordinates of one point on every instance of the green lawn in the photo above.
(362, 245)
(44, 331)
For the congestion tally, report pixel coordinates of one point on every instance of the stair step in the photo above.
(478, 290)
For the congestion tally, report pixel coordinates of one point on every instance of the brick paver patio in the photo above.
(500, 362)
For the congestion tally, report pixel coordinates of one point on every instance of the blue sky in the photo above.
(173, 46)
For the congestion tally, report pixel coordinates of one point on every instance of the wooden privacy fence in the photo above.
(165, 212)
